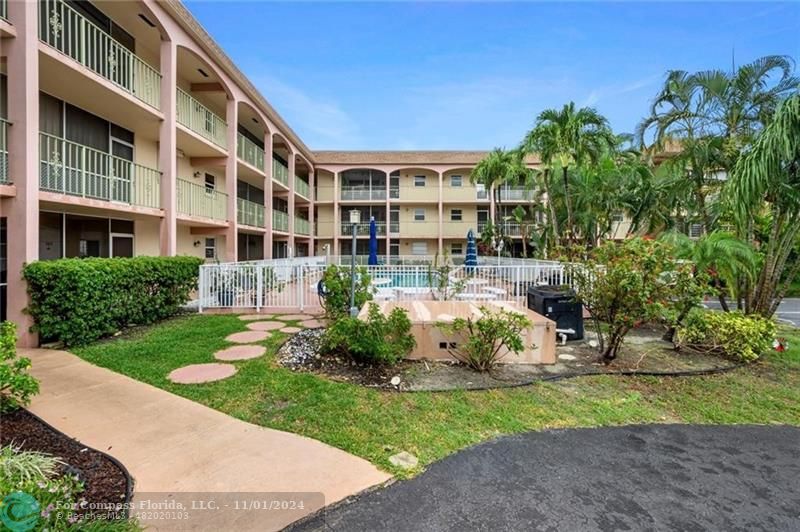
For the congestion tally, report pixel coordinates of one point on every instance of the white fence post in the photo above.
(259, 287)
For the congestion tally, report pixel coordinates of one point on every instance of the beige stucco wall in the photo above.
(324, 186)
(146, 236)
(325, 221)
(186, 242)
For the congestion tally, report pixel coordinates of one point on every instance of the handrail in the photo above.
(280, 221)
(302, 226)
(249, 151)
(302, 188)
(280, 172)
(200, 119)
(249, 213)
(3, 150)
(200, 200)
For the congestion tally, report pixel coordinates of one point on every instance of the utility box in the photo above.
(559, 304)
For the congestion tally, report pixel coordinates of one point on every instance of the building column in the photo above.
(292, 252)
(231, 171)
(441, 213)
(336, 224)
(388, 220)
(312, 194)
(168, 149)
(268, 203)
(22, 212)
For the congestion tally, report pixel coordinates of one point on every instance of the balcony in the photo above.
(201, 201)
(280, 221)
(516, 194)
(3, 151)
(302, 226)
(201, 120)
(69, 32)
(249, 152)
(360, 193)
(280, 172)
(70, 168)
(362, 229)
(249, 213)
(302, 188)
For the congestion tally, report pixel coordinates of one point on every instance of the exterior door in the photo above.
(121, 245)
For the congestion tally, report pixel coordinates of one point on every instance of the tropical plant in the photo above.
(565, 139)
(441, 278)
(766, 184)
(499, 167)
(482, 342)
(17, 386)
(733, 335)
(18, 465)
(378, 339)
(336, 288)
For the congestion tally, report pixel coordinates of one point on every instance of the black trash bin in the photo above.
(559, 304)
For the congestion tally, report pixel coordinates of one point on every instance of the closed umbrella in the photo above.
(373, 242)
(471, 259)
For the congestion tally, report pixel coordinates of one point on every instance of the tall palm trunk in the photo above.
(551, 206)
(568, 204)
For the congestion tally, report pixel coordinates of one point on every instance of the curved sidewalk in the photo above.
(173, 445)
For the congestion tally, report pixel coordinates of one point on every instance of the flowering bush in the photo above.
(729, 334)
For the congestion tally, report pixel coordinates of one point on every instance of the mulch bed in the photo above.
(104, 481)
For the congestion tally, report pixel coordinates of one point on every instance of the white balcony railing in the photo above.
(280, 172)
(301, 226)
(200, 119)
(356, 193)
(199, 200)
(280, 221)
(302, 188)
(249, 213)
(69, 32)
(250, 152)
(3, 151)
(71, 168)
(4, 9)
(516, 194)
(362, 229)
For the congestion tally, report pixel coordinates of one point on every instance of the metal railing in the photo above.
(200, 119)
(249, 213)
(4, 9)
(280, 172)
(362, 229)
(292, 283)
(280, 221)
(71, 168)
(302, 188)
(3, 151)
(69, 32)
(516, 194)
(202, 201)
(352, 193)
(249, 151)
(302, 226)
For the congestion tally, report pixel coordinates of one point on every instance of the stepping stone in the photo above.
(404, 460)
(247, 337)
(199, 373)
(313, 324)
(255, 317)
(294, 317)
(291, 330)
(241, 352)
(265, 325)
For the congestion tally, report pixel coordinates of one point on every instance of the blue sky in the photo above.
(449, 75)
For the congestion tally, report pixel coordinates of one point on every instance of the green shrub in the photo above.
(78, 301)
(729, 334)
(481, 343)
(336, 281)
(378, 340)
(16, 385)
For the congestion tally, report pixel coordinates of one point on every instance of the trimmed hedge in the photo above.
(77, 301)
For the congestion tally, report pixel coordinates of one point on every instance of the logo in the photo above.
(19, 511)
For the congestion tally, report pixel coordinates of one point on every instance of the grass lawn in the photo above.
(377, 424)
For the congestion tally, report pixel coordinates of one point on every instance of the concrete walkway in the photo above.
(174, 447)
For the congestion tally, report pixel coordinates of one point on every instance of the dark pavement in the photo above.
(651, 477)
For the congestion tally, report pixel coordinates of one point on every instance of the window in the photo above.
(211, 183)
(419, 180)
(419, 248)
(455, 180)
(419, 215)
(457, 249)
(481, 191)
(211, 248)
(617, 217)
(455, 215)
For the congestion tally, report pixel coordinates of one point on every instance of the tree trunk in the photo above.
(568, 204)
(551, 206)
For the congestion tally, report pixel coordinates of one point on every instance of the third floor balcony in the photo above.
(201, 120)
(280, 172)
(249, 213)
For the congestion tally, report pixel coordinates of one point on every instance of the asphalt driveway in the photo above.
(788, 310)
(651, 477)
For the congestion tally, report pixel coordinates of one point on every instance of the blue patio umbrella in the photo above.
(373, 242)
(471, 258)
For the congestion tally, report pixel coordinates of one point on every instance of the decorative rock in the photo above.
(593, 343)
(265, 325)
(200, 373)
(566, 357)
(301, 349)
(247, 337)
(313, 324)
(295, 317)
(404, 460)
(254, 317)
(241, 352)
(291, 330)
(395, 381)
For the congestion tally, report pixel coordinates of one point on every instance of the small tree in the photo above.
(335, 297)
(16, 385)
(440, 278)
(480, 342)
(626, 284)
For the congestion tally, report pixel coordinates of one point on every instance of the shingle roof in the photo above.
(403, 157)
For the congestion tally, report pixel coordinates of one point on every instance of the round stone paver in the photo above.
(313, 324)
(199, 373)
(241, 352)
(291, 330)
(265, 325)
(295, 317)
(254, 317)
(247, 337)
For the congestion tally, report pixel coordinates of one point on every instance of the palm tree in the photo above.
(500, 166)
(765, 184)
(568, 138)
